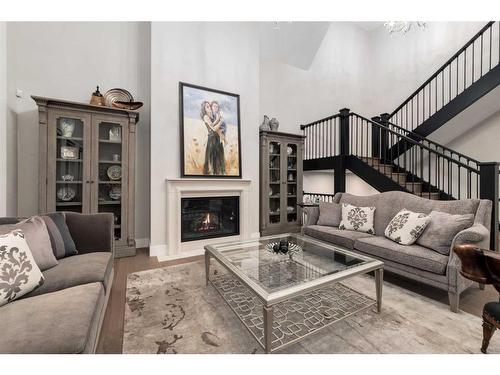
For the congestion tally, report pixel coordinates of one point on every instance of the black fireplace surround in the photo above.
(209, 217)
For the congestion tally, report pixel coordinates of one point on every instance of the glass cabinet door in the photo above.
(109, 189)
(274, 182)
(67, 181)
(291, 182)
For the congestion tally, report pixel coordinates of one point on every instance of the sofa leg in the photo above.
(488, 330)
(454, 301)
(481, 286)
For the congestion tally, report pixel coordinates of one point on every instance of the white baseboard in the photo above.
(187, 254)
(158, 250)
(141, 242)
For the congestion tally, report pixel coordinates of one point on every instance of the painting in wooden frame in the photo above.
(210, 132)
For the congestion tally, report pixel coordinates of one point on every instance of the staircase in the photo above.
(472, 72)
(366, 147)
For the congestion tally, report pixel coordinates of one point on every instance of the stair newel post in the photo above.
(488, 189)
(384, 138)
(376, 137)
(340, 164)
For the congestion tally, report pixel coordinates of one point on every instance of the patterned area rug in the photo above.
(170, 310)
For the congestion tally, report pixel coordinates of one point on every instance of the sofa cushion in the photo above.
(442, 229)
(406, 227)
(38, 240)
(329, 214)
(334, 235)
(77, 270)
(59, 322)
(19, 273)
(413, 255)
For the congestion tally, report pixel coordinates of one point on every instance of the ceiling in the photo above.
(296, 43)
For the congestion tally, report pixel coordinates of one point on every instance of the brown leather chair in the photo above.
(483, 266)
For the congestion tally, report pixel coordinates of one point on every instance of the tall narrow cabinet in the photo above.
(280, 182)
(87, 163)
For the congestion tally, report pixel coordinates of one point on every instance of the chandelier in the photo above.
(403, 26)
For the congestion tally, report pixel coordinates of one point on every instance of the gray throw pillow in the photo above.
(60, 237)
(38, 240)
(329, 214)
(443, 227)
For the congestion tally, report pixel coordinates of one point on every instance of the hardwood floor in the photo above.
(111, 339)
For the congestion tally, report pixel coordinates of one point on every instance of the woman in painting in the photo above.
(214, 153)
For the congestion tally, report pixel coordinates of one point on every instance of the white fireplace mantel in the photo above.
(178, 188)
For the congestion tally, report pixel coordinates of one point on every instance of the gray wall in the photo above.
(67, 60)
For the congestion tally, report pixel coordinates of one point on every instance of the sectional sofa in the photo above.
(64, 315)
(414, 261)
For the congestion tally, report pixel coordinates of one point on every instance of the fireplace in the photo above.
(209, 217)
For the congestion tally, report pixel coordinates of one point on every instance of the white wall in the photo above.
(401, 63)
(67, 60)
(338, 77)
(3, 119)
(323, 182)
(224, 56)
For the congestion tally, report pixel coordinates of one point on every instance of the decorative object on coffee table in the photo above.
(116, 95)
(97, 98)
(276, 247)
(96, 154)
(210, 132)
(280, 182)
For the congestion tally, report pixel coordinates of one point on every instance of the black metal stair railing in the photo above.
(427, 142)
(476, 62)
(424, 167)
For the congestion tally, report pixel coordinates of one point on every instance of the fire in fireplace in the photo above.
(209, 217)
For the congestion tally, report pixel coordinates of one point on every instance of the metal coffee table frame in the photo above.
(270, 300)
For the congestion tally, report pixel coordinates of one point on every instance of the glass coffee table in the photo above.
(284, 297)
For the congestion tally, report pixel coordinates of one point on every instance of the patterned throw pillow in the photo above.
(359, 219)
(407, 226)
(19, 273)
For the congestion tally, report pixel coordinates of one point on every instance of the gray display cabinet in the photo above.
(87, 163)
(281, 156)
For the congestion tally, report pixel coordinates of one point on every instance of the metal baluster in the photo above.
(459, 187)
(491, 29)
(473, 72)
(481, 55)
(465, 67)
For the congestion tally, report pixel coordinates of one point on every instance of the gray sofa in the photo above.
(415, 262)
(64, 315)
